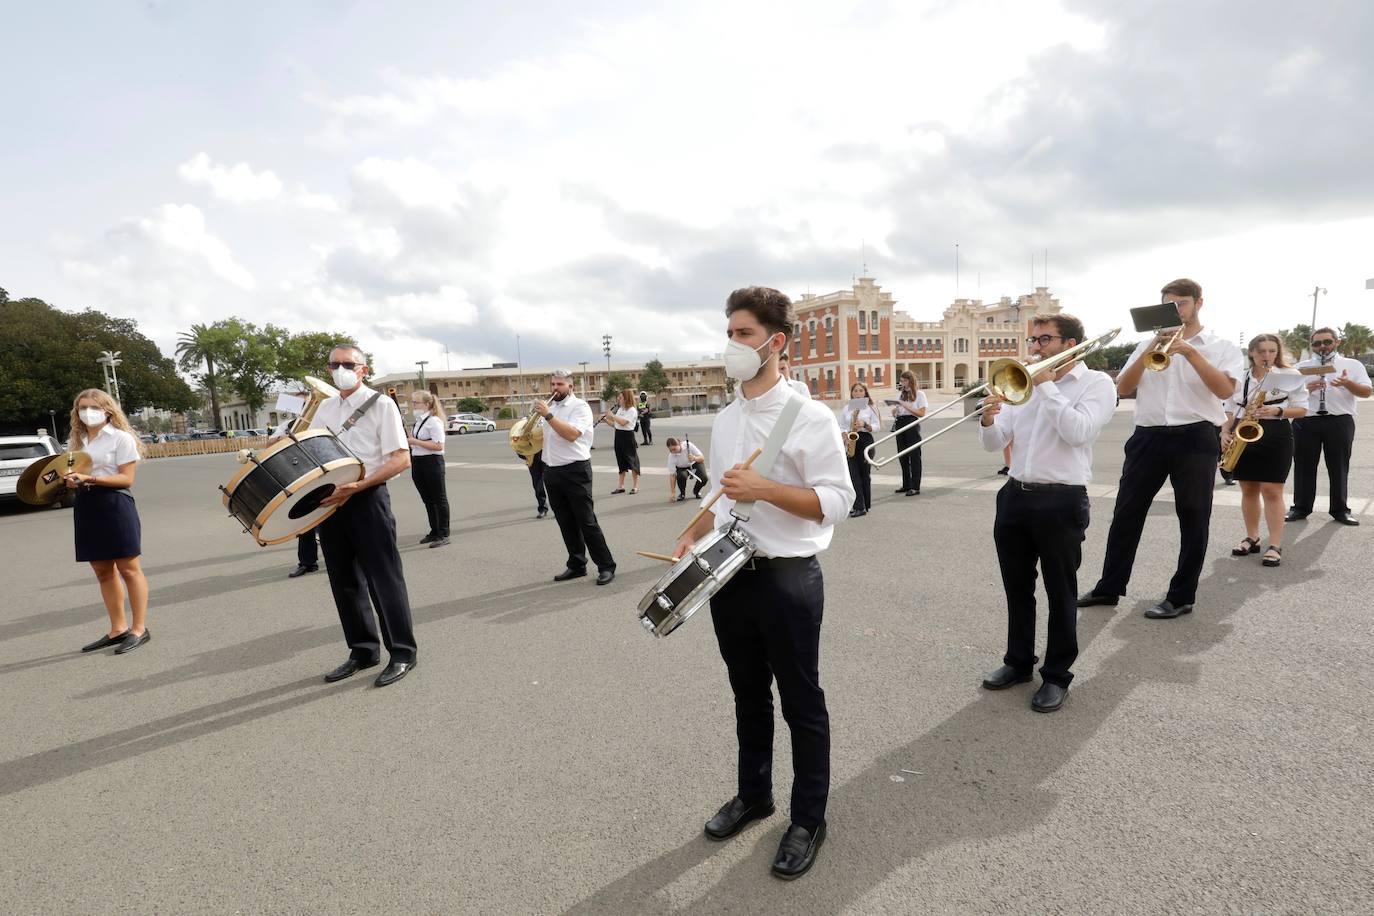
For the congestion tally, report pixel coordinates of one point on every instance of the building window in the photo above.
(877, 375)
(811, 383)
(830, 380)
(861, 374)
(829, 336)
(873, 343)
(862, 315)
(872, 321)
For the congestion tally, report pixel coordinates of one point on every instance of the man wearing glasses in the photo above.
(1329, 428)
(359, 540)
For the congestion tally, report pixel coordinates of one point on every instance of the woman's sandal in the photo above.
(1246, 551)
(1273, 561)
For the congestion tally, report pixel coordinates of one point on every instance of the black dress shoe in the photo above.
(105, 642)
(132, 642)
(1005, 677)
(350, 667)
(393, 672)
(1093, 599)
(1004, 472)
(429, 537)
(681, 497)
(300, 571)
(735, 815)
(1346, 519)
(569, 573)
(1295, 516)
(902, 490)
(1166, 610)
(1049, 697)
(914, 491)
(604, 576)
(439, 542)
(542, 513)
(797, 851)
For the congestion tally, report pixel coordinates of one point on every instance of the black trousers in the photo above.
(359, 543)
(570, 495)
(1313, 436)
(308, 549)
(909, 435)
(1185, 456)
(536, 469)
(427, 473)
(861, 473)
(1044, 527)
(645, 429)
(698, 468)
(768, 625)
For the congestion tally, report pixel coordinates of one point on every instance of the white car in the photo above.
(463, 423)
(16, 454)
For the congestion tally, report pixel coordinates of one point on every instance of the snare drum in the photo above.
(277, 493)
(695, 579)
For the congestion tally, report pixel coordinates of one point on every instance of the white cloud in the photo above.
(237, 183)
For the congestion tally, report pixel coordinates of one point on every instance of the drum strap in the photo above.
(764, 463)
(358, 414)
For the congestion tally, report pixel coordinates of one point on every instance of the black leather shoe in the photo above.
(542, 513)
(393, 672)
(1295, 516)
(604, 576)
(1346, 519)
(914, 491)
(1004, 677)
(1166, 610)
(439, 542)
(350, 667)
(1093, 599)
(735, 815)
(682, 497)
(132, 642)
(105, 642)
(300, 571)
(900, 490)
(569, 573)
(1049, 697)
(797, 851)
(429, 537)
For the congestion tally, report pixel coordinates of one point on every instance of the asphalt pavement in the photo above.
(549, 755)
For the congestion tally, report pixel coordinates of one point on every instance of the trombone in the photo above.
(1158, 357)
(1008, 378)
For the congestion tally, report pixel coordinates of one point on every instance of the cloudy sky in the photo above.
(446, 174)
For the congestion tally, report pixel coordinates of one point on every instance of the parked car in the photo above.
(173, 437)
(463, 423)
(16, 454)
(207, 434)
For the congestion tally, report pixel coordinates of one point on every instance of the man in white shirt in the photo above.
(568, 480)
(684, 460)
(359, 540)
(768, 616)
(1178, 419)
(1042, 511)
(1328, 427)
(784, 369)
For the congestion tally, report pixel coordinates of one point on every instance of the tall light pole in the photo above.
(110, 359)
(583, 364)
(422, 363)
(606, 347)
(1316, 291)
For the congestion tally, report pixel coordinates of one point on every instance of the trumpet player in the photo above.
(858, 423)
(1177, 419)
(1262, 468)
(1328, 430)
(1042, 510)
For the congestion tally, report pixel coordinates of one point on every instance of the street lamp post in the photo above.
(583, 364)
(606, 347)
(422, 363)
(110, 359)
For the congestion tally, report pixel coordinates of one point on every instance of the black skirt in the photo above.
(1269, 459)
(626, 451)
(107, 525)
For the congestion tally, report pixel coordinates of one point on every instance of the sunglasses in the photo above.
(349, 366)
(1323, 343)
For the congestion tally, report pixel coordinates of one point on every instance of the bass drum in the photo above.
(276, 495)
(695, 579)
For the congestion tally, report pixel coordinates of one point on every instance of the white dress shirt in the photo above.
(109, 448)
(578, 414)
(812, 457)
(1339, 401)
(374, 437)
(689, 455)
(627, 417)
(1177, 396)
(800, 388)
(430, 428)
(909, 408)
(1054, 431)
(1286, 388)
(866, 415)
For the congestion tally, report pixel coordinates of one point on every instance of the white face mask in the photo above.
(742, 362)
(92, 416)
(345, 379)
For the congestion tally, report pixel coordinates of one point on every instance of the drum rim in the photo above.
(652, 594)
(297, 485)
(675, 614)
(266, 453)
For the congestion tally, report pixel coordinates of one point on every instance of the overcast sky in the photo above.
(452, 174)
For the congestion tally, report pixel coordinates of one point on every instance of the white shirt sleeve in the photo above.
(391, 433)
(127, 449)
(1078, 424)
(693, 453)
(825, 467)
(997, 436)
(1358, 374)
(846, 418)
(1231, 361)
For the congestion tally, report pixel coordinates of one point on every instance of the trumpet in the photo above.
(1157, 358)
(1009, 379)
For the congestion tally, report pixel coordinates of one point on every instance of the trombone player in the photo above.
(1042, 510)
(1177, 419)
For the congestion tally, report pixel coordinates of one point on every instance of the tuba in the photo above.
(527, 436)
(319, 392)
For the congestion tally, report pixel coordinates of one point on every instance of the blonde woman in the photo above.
(623, 417)
(427, 468)
(108, 533)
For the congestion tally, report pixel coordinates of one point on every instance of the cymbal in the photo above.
(42, 482)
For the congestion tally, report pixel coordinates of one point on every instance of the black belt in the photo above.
(1050, 487)
(775, 562)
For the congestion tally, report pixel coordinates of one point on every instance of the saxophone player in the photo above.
(858, 420)
(1328, 430)
(1262, 468)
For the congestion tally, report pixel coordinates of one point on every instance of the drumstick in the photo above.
(656, 556)
(706, 507)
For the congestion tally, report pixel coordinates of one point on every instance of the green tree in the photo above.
(1356, 340)
(653, 379)
(1297, 339)
(208, 345)
(1110, 359)
(307, 354)
(616, 382)
(472, 405)
(252, 364)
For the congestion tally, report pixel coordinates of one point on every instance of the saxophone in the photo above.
(851, 438)
(1246, 431)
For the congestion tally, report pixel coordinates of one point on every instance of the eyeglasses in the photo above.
(349, 366)
(1044, 339)
(1323, 343)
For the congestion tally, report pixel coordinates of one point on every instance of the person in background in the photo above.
(1328, 428)
(911, 406)
(862, 421)
(684, 459)
(623, 418)
(784, 369)
(646, 416)
(427, 470)
(307, 544)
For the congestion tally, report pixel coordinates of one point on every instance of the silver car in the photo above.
(463, 423)
(16, 454)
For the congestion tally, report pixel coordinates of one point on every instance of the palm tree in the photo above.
(1298, 340)
(201, 345)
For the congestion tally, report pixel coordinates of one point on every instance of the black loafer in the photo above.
(541, 513)
(797, 851)
(1004, 677)
(900, 490)
(914, 491)
(427, 538)
(1166, 610)
(300, 571)
(393, 672)
(569, 573)
(104, 642)
(1346, 519)
(604, 576)
(439, 542)
(1049, 697)
(349, 668)
(132, 642)
(735, 815)
(1093, 599)
(1295, 516)
(682, 497)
